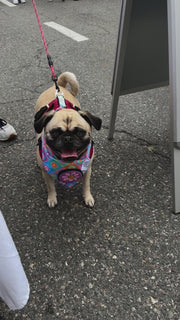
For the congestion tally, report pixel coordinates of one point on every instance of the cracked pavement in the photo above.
(118, 260)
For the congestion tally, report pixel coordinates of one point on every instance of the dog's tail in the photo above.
(70, 78)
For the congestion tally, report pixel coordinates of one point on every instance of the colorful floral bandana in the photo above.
(68, 174)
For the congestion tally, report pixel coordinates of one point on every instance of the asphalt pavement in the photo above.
(118, 260)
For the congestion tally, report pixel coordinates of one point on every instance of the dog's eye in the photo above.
(80, 132)
(55, 133)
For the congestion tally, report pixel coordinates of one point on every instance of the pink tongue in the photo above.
(68, 154)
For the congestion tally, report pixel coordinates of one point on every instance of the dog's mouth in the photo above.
(68, 152)
(69, 155)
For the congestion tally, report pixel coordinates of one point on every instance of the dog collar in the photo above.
(67, 174)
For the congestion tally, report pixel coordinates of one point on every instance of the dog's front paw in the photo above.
(52, 200)
(89, 200)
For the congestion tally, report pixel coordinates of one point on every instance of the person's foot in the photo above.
(22, 1)
(7, 132)
(15, 2)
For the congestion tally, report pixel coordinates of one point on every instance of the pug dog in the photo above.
(65, 148)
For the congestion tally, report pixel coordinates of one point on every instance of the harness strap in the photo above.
(56, 106)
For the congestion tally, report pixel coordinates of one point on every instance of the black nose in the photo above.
(68, 139)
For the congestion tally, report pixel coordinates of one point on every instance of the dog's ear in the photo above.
(91, 119)
(41, 119)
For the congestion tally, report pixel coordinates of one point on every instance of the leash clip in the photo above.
(59, 94)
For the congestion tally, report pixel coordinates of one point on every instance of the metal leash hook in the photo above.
(54, 77)
(59, 93)
(50, 62)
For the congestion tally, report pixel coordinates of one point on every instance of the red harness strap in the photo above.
(55, 105)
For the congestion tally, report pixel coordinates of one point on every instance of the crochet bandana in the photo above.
(68, 174)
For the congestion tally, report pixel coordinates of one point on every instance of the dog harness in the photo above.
(66, 173)
(60, 103)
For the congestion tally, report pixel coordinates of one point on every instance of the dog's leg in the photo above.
(52, 196)
(88, 198)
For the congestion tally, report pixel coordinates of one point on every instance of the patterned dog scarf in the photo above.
(66, 173)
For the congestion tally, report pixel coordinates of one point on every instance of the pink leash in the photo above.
(54, 78)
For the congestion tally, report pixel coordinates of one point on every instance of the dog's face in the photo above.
(67, 132)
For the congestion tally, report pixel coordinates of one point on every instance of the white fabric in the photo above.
(14, 287)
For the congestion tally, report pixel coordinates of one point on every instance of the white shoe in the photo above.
(7, 132)
(15, 1)
(22, 1)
